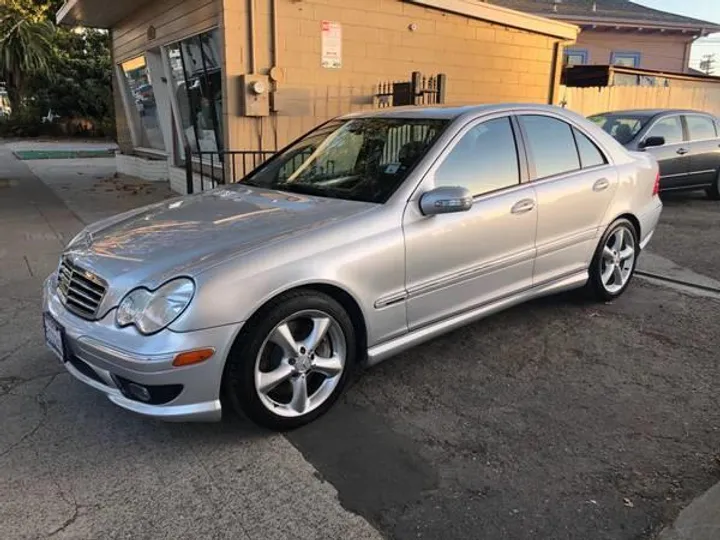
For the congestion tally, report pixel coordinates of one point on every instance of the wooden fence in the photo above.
(589, 101)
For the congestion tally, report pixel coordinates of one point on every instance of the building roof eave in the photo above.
(629, 23)
(96, 13)
(504, 16)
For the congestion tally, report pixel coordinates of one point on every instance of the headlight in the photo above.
(78, 237)
(151, 311)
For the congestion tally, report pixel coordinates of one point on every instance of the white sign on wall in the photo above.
(331, 45)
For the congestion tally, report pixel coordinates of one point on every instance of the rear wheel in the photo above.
(714, 191)
(292, 362)
(613, 265)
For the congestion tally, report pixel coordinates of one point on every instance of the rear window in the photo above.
(624, 127)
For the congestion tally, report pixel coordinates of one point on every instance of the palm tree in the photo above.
(25, 48)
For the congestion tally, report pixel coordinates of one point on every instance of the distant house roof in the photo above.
(608, 12)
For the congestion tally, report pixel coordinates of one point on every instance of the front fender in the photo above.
(366, 260)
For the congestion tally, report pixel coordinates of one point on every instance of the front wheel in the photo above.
(613, 265)
(292, 361)
(713, 192)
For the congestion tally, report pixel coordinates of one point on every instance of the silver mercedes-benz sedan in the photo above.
(371, 234)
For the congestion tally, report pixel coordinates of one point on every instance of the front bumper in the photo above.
(109, 358)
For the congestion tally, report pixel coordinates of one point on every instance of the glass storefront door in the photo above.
(195, 64)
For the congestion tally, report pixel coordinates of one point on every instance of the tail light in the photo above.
(656, 187)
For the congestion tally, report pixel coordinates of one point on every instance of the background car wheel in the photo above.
(613, 265)
(714, 191)
(292, 360)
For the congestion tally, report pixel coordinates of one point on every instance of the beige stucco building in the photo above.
(216, 75)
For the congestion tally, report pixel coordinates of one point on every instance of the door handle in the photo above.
(682, 151)
(601, 185)
(523, 207)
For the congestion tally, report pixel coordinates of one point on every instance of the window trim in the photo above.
(532, 171)
(699, 115)
(575, 129)
(585, 53)
(636, 55)
(519, 151)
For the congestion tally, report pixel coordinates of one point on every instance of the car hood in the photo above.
(188, 235)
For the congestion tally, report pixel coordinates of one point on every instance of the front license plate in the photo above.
(53, 337)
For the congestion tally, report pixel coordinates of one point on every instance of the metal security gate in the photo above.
(419, 90)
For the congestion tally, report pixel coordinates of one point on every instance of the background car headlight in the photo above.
(151, 311)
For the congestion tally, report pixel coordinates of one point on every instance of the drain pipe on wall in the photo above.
(274, 31)
(251, 33)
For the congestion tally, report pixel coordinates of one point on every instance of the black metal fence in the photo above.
(211, 169)
(419, 90)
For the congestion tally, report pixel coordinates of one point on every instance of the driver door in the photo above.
(455, 262)
(673, 156)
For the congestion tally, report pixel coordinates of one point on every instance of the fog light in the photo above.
(138, 392)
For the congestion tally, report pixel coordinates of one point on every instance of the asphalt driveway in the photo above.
(561, 419)
(689, 232)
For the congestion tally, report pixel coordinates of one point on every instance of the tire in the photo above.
(713, 192)
(280, 343)
(607, 284)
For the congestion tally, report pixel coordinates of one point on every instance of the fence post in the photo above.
(190, 186)
(441, 88)
(416, 87)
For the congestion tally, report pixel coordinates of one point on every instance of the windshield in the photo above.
(362, 159)
(623, 127)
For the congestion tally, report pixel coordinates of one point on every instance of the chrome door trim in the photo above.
(391, 299)
(470, 273)
(703, 172)
(394, 346)
(566, 241)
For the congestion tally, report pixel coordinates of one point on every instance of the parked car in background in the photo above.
(685, 143)
(371, 234)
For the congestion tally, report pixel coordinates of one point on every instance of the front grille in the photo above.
(81, 291)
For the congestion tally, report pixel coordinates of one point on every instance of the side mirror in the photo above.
(446, 200)
(651, 142)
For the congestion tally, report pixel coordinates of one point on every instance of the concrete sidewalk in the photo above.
(699, 521)
(72, 465)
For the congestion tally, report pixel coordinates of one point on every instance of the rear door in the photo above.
(673, 156)
(704, 149)
(574, 184)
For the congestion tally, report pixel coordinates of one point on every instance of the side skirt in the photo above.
(383, 351)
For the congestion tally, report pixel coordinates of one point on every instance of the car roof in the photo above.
(651, 112)
(440, 112)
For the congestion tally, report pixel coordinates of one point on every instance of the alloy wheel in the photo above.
(618, 260)
(300, 363)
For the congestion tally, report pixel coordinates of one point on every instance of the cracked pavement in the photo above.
(560, 419)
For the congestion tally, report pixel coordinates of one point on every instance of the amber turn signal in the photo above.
(193, 357)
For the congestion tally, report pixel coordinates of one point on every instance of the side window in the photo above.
(670, 128)
(590, 155)
(485, 159)
(550, 142)
(700, 127)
